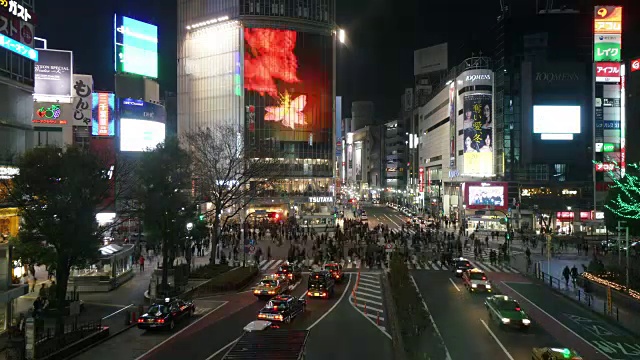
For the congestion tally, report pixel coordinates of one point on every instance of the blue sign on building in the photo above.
(18, 48)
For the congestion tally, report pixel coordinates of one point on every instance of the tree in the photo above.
(58, 193)
(224, 176)
(623, 200)
(164, 198)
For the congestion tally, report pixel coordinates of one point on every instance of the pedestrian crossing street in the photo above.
(440, 266)
(273, 264)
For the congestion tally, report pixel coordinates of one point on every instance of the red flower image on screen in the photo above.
(289, 111)
(269, 56)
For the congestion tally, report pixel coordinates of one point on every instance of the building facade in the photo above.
(270, 73)
(455, 144)
(395, 157)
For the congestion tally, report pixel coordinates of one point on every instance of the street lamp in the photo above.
(189, 226)
(342, 36)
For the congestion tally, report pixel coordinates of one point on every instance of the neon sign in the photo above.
(16, 9)
(18, 47)
(52, 112)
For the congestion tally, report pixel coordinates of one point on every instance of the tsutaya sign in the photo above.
(321, 199)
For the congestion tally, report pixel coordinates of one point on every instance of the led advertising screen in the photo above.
(486, 195)
(140, 135)
(556, 119)
(103, 114)
(141, 124)
(136, 47)
(287, 80)
(478, 134)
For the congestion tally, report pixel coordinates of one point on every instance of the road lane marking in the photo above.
(358, 292)
(454, 284)
(366, 316)
(346, 290)
(435, 327)
(497, 340)
(181, 330)
(123, 309)
(369, 308)
(394, 223)
(558, 321)
(223, 348)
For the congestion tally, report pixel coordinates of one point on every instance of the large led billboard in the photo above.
(140, 135)
(288, 91)
(482, 195)
(53, 73)
(141, 124)
(556, 119)
(478, 134)
(102, 114)
(135, 47)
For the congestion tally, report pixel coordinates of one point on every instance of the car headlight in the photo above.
(505, 321)
(526, 321)
(474, 285)
(488, 286)
(458, 271)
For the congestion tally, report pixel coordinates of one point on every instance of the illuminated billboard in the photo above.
(478, 134)
(453, 134)
(288, 85)
(482, 195)
(607, 20)
(141, 124)
(135, 47)
(608, 72)
(51, 114)
(607, 47)
(102, 114)
(53, 73)
(553, 119)
(18, 48)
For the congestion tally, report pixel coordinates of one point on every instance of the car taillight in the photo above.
(278, 317)
(140, 320)
(290, 276)
(160, 321)
(517, 309)
(484, 278)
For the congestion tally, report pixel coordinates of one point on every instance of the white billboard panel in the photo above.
(431, 59)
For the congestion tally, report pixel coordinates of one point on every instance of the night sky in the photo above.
(376, 65)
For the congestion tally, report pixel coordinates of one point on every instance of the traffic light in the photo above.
(508, 236)
(201, 217)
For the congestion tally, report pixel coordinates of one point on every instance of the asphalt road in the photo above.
(381, 214)
(350, 335)
(213, 337)
(465, 326)
(593, 336)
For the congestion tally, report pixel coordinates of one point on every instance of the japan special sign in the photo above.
(607, 72)
(607, 47)
(608, 20)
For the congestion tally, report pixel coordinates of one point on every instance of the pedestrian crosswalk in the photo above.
(440, 266)
(201, 311)
(367, 298)
(273, 264)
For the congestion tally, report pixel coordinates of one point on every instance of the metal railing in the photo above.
(575, 292)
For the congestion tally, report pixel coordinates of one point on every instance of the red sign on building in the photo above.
(607, 72)
(604, 167)
(421, 180)
(635, 65)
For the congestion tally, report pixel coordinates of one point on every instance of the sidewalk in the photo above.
(625, 316)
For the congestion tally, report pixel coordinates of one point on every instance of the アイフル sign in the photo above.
(608, 72)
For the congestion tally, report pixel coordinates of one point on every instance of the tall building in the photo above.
(268, 69)
(543, 73)
(16, 79)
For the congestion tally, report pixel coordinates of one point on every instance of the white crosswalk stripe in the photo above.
(367, 299)
(201, 311)
(439, 266)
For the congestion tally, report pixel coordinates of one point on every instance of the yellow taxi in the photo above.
(548, 353)
(270, 286)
